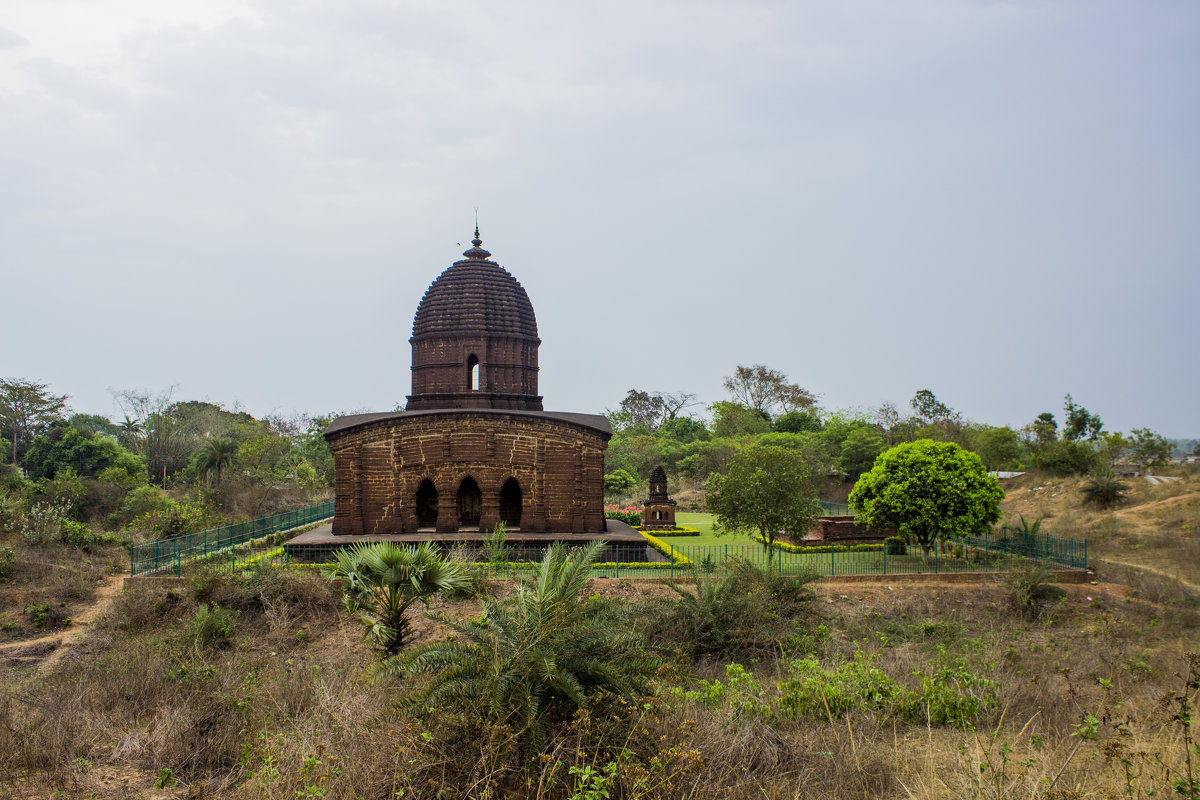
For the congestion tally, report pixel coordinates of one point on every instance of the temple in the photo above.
(473, 447)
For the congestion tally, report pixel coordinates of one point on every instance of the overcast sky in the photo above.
(998, 201)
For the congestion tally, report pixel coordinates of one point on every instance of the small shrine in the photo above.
(658, 510)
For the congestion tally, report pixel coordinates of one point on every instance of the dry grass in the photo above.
(289, 709)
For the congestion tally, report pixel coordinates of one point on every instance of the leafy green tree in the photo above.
(1079, 423)
(618, 483)
(1148, 449)
(997, 447)
(927, 490)
(93, 424)
(731, 420)
(928, 408)
(1066, 457)
(702, 458)
(64, 446)
(533, 659)
(859, 451)
(797, 422)
(767, 391)
(684, 430)
(217, 455)
(382, 580)
(767, 490)
(26, 409)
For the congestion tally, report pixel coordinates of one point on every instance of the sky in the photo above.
(997, 201)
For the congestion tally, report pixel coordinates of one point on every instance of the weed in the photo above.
(165, 780)
(213, 626)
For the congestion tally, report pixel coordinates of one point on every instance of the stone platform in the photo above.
(315, 545)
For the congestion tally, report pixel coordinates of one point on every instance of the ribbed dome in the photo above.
(475, 295)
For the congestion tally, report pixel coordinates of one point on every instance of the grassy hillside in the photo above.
(258, 685)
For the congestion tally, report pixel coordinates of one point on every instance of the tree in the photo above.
(1104, 489)
(643, 409)
(797, 422)
(887, 417)
(768, 489)
(26, 408)
(1079, 423)
(88, 455)
(216, 455)
(927, 490)
(929, 408)
(382, 580)
(1148, 449)
(767, 391)
(534, 658)
(997, 447)
(859, 451)
(734, 419)
(1038, 435)
(618, 483)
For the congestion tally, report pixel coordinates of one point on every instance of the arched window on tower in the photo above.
(473, 372)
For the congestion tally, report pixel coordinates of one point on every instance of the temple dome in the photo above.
(475, 295)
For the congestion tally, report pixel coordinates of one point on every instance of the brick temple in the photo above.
(474, 446)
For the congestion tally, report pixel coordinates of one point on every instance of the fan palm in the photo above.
(217, 454)
(534, 657)
(382, 580)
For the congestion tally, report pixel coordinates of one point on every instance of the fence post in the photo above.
(832, 563)
(618, 561)
(885, 552)
(935, 555)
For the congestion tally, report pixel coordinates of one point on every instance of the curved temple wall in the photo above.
(380, 465)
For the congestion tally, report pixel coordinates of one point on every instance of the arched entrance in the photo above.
(510, 503)
(469, 503)
(427, 504)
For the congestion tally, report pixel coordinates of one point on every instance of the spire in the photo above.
(476, 253)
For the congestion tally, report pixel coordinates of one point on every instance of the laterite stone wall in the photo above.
(379, 467)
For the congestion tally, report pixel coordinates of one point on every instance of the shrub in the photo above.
(681, 530)
(8, 557)
(743, 695)
(743, 612)
(12, 513)
(43, 522)
(213, 626)
(950, 695)
(382, 580)
(531, 660)
(855, 685)
(895, 546)
(1104, 489)
(628, 516)
(1031, 588)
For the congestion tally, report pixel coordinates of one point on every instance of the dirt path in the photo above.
(1195, 587)
(1170, 501)
(49, 649)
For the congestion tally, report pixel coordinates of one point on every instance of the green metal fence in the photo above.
(996, 552)
(169, 555)
(832, 509)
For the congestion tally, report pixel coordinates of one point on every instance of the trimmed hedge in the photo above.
(825, 548)
(681, 530)
(677, 558)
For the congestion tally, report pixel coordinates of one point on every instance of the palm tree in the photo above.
(217, 454)
(534, 657)
(1104, 489)
(383, 579)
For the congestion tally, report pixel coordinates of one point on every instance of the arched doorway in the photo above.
(469, 503)
(510, 503)
(427, 504)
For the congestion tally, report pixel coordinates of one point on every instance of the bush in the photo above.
(950, 695)
(855, 685)
(8, 557)
(213, 626)
(629, 517)
(43, 522)
(746, 612)
(896, 546)
(1031, 588)
(533, 659)
(1104, 489)
(681, 530)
